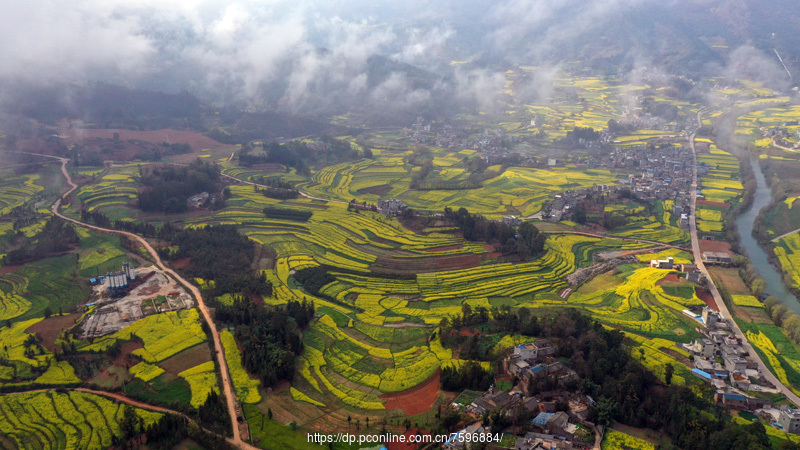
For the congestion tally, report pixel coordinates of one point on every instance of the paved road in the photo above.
(605, 236)
(723, 308)
(786, 234)
(230, 397)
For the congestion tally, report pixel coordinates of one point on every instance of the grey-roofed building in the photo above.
(790, 419)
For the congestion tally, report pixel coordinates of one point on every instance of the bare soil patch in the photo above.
(381, 190)
(459, 261)
(281, 386)
(446, 248)
(416, 400)
(706, 296)
(49, 329)
(187, 359)
(391, 264)
(196, 140)
(707, 245)
(730, 279)
(267, 167)
(751, 315)
(672, 278)
(181, 263)
(9, 269)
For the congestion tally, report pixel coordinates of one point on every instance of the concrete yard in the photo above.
(159, 293)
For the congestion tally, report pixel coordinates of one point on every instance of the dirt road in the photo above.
(230, 397)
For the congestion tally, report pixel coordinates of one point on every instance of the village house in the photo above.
(790, 419)
(668, 263)
(500, 400)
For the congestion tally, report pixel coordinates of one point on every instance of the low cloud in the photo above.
(313, 56)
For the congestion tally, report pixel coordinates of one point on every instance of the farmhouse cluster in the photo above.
(555, 418)
(721, 359)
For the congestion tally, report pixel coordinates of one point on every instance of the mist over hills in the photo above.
(389, 61)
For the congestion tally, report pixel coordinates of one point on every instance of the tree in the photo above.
(792, 326)
(269, 413)
(770, 303)
(779, 313)
(788, 445)
(47, 313)
(606, 410)
(668, 371)
(349, 419)
(579, 215)
(758, 286)
(129, 421)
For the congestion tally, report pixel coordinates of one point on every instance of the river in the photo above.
(744, 223)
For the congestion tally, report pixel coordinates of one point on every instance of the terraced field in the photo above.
(516, 190)
(17, 190)
(24, 199)
(661, 227)
(62, 420)
(48, 283)
(639, 305)
(720, 179)
(110, 194)
(164, 335)
(353, 356)
(24, 363)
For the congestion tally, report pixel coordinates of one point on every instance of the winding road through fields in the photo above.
(220, 355)
(723, 308)
(227, 384)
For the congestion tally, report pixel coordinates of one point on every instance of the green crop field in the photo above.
(62, 420)
(516, 190)
(111, 193)
(22, 362)
(788, 252)
(164, 335)
(202, 379)
(246, 388)
(639, 305)
(777, 350)
(721, 181)
(614, 439)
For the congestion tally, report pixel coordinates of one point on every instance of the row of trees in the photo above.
(280, 193)
(526, 241)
